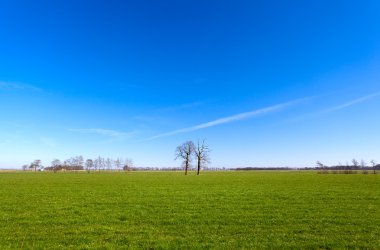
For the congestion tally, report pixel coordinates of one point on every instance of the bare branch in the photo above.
(185, 152)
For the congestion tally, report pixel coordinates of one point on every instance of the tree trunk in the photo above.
(199, 166)
(186, 163)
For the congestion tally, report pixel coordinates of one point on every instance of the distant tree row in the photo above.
(78, 163)
(261, 168)
(355, 165)
(188, 150)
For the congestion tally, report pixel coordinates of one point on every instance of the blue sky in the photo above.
(266, 83)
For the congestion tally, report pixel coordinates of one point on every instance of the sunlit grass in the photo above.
(169, 210)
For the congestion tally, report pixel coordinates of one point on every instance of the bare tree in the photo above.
(320, 165)
(36, 165)
(55, 164)
(373, 162)
(79, 161)
(109, 163)
(355, 163)
(99, 163)
(119, 163)
(184, 152)
(128, 164)
(69, 162)
(73, 162)
(102, 164)
(202, 155)
(89, 165)
(96, 164)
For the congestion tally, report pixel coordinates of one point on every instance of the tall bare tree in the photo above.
(185, 152)
(102, 163)
(118, 163)
(96, 164)
(67, 163)
(109, 163)
(36, 165)
(89, 165)
(202, 152)
(355, 163)
(99, 163)
(55, 164)
(128, 164)
(373, 162)
(79, 161)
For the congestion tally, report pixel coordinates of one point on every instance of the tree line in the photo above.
(188, 151)
(349, 168)
(79, 163)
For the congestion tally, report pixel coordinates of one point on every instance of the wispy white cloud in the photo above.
(229, 119)
(16, 86)
(351, 103)
(336, 108)
(104, 132)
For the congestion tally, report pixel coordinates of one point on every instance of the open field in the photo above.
(223, 210)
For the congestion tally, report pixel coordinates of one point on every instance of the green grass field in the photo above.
(216, 210)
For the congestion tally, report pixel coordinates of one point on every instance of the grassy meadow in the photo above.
(167, 210)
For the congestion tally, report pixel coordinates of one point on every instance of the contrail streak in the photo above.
(229, 119)
(351, 103)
